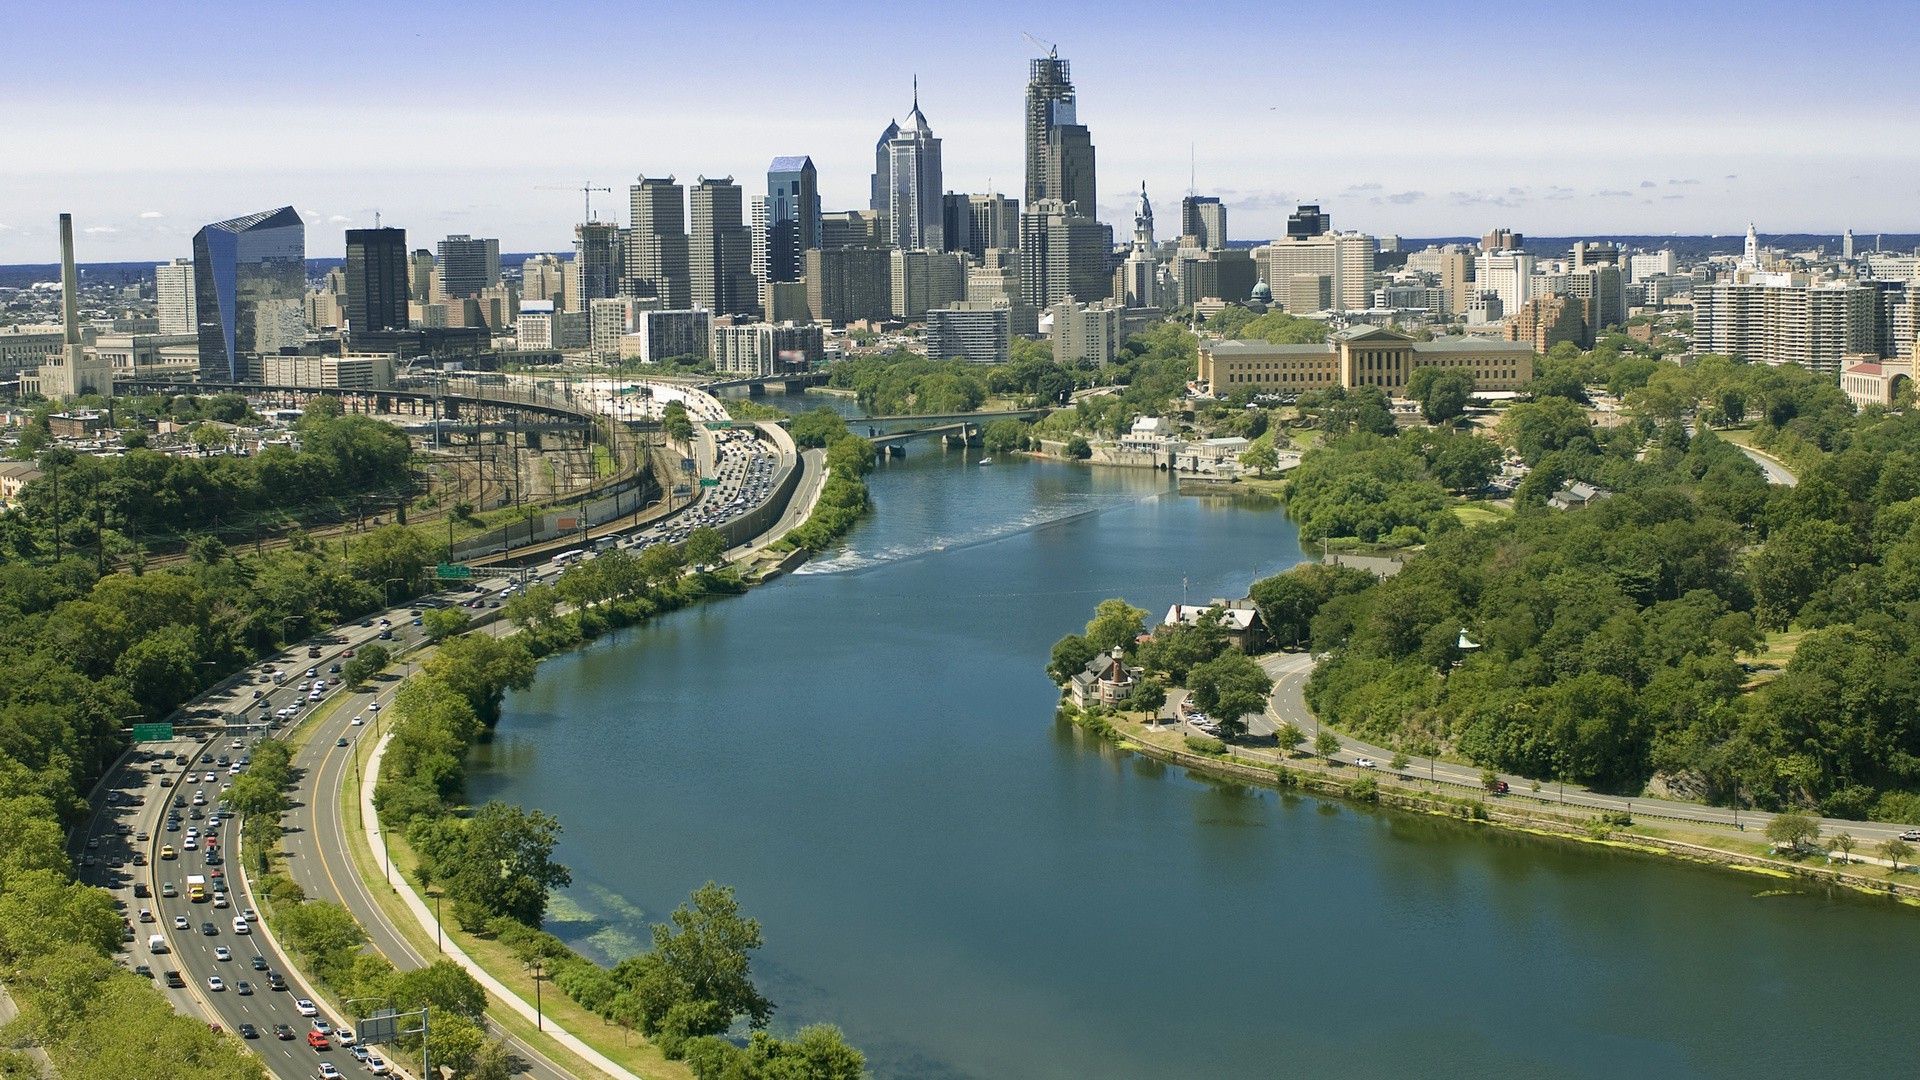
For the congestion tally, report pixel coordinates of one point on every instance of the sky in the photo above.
(1410, 117)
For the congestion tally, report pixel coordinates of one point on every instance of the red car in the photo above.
(317, 1040)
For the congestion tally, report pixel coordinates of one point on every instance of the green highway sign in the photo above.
(709, 482)
(454, 572)
(152, 732)
(719, 425)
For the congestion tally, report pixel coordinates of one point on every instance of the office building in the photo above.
(354, 371)
(1546, 321)
(849, 284)
(173, 297)
(1360, 356)
(760, 349)
(1502, 240)
(375, 282)
(1309, 294)
(250, 278)
(1652, 264)
(657, 245)
(993, 222)
(759, 225)
(926, 279)
(1070, 168)
(534, 328)
(720, 250)
(612, 319)
(543, 277)
(1603, 290)
(1308, 222)
(974, 330)
(1346, 259)
(1063, 255)
(956, 222)
(852, 228)
(907, 185)
(793, 216)
(1051, 104)
(599, 262)
(26, 348)
(1087, 335)
(1506, 273)
(467, 265)
(1785, 318)
(660, 336)
(422, 276)
(1203, 223)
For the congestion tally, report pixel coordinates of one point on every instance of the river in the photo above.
(866, 751)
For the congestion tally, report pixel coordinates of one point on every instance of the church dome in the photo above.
(1262, 292)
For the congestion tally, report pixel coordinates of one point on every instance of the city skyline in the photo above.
(1696, 122)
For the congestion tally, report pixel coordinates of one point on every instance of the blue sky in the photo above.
(1421, 118)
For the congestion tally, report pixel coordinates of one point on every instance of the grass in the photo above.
(1476, 514)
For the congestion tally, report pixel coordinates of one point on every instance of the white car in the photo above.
(1365, 762)
(359, 721)
(377, 1065)
(180, 923)
(215, 983)
(327, 1071)
(305, 1007)
(241, 925)
(221, 952)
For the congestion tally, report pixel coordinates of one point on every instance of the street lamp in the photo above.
(539, 969)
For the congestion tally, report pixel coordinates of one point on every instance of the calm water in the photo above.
(866, 751)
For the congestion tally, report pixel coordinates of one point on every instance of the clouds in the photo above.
(1612, 195)
(152, 215)
(99, 230)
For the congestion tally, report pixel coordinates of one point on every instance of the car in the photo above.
(305, 1007)
(243, 988)
(247, 914)
(174, 980)
(1365, 762)
(275, 981)
(327, 1071)
(377, 1065)
(146, 914)
(209, 929)
(373, 706)
(167, 852)
(366, 622)
(167, 889)
(361, 1053)
(359, 721)
(241, 925)
(348, 654)
(333, 669)
(321, 1025)
(141, 889)
(191, 843)
(1911, 835)
(345, 1035)
(211, 778)
(282, 1031)
(221, 952)
(216, 984)
(181, 922)
(342, 741)
(318, 1041)
(259, 962)
(247, 1031)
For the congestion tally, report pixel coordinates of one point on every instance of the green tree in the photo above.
(1229, 687)
(443, 623)
(482, 668)
(1793, 829)
(1443, 393)
(1071, 655)
(1844, 843)
(1541, 427)
(705, 547)
(368, 661)
(502, 863)
(1289, 737)
(1115, 625)
(1149, 696)
(698, 978)
(1326, 744)
(1260, 456)
(1079, 448)
(1894, 849)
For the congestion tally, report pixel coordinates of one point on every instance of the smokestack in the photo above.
(69, 282)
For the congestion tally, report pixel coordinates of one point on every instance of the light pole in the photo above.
(539, 969)
(439, 942)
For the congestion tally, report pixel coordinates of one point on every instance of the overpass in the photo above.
(758, 383)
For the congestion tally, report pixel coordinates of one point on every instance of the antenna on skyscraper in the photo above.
(376, 219)
(1193, 170)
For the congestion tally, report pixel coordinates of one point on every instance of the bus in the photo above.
(566, 557)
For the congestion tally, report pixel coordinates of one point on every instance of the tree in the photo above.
(482, 668)
(1844, 843)
(502, 862)
(1260, 456)
(443, 623)
(1071, 655)
(368, 661)
(1399, 762)
(1326, 744)
(698, 978)
(1228, 687)
(1148, 697)
(1538, 428)
(1289, 737)
(1079, 448)
(705, 546)
(818, 1052)
(1115, 625)
(1894, 849)
(1793, 829)
(1443, 393)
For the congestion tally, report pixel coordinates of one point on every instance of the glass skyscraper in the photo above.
(793, 216)
(249, 281)
(377, 289)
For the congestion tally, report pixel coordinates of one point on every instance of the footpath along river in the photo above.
(866, 751)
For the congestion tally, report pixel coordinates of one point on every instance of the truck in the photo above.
(196, 887)
(156, 943)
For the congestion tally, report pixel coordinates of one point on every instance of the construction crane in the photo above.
(1053, 51)
(586, 191)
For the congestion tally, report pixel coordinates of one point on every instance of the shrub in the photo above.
(1202, 744)
(1365, 789)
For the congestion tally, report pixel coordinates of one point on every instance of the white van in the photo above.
(156, 943)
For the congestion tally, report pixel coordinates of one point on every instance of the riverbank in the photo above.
(1513, 811)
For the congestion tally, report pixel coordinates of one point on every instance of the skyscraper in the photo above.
(173, 296)
(598, 260)
(1070, 174)
(1050, 103)
(720, 250)
(907, 174)
(657, 244)
(420, 275)
(996, 224)
(377, 290)
(1308, 222)
(1063, 255)
(793, 215)
(468, 266)
(250, 283)
(1203, 218)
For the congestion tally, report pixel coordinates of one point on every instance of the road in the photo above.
(1776, 472)
(1290, 672)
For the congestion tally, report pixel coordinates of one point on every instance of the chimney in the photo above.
(69, 283)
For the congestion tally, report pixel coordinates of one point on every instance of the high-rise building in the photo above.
(956, 222)
(1308, 222)
(907, 176)
(995, 224)
(926, 279)
(1070, 168)
(1508, 274)
(851, 228)
(1063, 255)
(720, 249)
(1140, 274)
(599, 260)
(657, 246)
(1204, 218)
(1345, 258)
(765, 349)
(1502, 240)
(976, 330)
(250, 282)
(421, 276)
(1050, 104)
(670, 335)
(1602, 289)
(1785, 318)
(468, 266)
(1087, 334)
(849, 284)
(543, 278)
(173, 296)
(1546, 321)
(376, 280)
(793, 215)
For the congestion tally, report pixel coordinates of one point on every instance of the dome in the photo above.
(1262, 293)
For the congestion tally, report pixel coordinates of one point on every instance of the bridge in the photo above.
(757, 384)
(977, 417)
